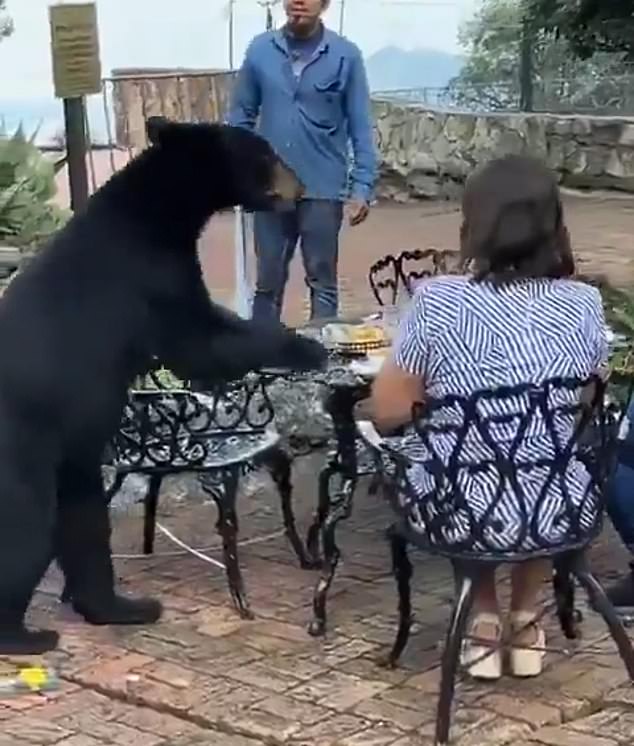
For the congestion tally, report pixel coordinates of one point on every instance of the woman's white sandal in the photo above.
(482, 657)
(526, 659)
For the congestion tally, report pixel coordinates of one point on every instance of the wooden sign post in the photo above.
(76, 74)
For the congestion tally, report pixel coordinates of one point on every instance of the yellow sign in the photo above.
(75, 49)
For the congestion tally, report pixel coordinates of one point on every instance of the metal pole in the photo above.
(342, 15)
(76, 150)
(231, 12)
(526, 66)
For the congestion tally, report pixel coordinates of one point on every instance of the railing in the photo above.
(582, 95)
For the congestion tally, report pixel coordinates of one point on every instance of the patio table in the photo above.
(348, 380)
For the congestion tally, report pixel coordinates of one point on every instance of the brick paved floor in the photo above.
(203, 676)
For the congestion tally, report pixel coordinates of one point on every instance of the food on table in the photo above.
(354, 334)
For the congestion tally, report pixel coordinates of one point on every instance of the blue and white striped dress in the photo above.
(462, 336)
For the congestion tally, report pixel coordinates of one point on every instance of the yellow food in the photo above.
(354, 334)
(367, 334)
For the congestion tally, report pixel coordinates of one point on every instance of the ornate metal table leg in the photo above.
(337, 505)
(279, 465)
(323, 506)
(224, 494)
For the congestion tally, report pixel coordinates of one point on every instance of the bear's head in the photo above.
(248, 171)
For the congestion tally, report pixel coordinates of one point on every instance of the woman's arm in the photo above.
(400, 382)
(394, 393)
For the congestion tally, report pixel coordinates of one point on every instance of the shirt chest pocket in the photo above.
(323, 94)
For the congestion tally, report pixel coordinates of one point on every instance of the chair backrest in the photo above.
(164, 426)
(394, 275)
(514, 470)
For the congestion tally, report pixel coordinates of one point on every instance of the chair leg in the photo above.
(280, 465)
(466, 579)
(403, 570)
(564, 588)
(117, 484)
(149, 519)
(600, 602)
(375, 485)
(225, 499)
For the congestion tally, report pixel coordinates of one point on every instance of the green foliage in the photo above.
(618, 304)
(589, 26)
(27, 186)
(165, 379)
(490, 77)
(6, 24)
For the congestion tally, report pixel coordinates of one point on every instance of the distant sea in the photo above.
(46, 117)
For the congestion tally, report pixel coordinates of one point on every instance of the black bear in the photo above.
(116, 288)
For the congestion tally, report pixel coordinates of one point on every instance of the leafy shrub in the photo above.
(618, 304)
(27, 188)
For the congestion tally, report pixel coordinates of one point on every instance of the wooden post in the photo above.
(76, 150)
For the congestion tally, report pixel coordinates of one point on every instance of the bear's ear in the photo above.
(157, 128)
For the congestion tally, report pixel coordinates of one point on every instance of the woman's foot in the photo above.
(481, 651)
(528, 643)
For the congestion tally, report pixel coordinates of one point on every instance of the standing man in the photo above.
(306, 88)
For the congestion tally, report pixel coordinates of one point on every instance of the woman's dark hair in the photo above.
(513, 225)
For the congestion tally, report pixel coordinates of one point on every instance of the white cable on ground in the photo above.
(187, 548)
(192, 550)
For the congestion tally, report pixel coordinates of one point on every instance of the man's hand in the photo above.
(357, 210)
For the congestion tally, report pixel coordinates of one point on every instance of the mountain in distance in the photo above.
(392, 68)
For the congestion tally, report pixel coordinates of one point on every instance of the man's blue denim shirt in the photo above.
(311, 120)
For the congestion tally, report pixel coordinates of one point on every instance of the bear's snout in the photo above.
(286, 186)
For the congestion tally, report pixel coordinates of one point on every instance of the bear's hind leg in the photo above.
(27, 514)
(83, 552)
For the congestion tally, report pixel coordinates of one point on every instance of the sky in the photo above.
(194, 33)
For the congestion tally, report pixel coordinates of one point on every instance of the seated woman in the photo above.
(517, 319)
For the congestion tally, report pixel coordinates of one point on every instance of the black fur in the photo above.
(119, 285)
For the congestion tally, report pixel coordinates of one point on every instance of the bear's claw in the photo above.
(15, 639)
(120, 610)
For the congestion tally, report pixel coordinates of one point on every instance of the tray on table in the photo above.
(328, 331)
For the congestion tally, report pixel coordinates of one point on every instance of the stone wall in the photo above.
(424, 153)
(428, 154)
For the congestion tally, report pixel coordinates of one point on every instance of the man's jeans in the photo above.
(315, 223)
(621, 496)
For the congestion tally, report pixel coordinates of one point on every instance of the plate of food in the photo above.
(355, 339)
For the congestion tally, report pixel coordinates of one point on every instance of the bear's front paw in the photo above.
(305, 354)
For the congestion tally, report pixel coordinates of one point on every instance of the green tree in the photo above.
(589, 26)
(6, 24)
(491, 76)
